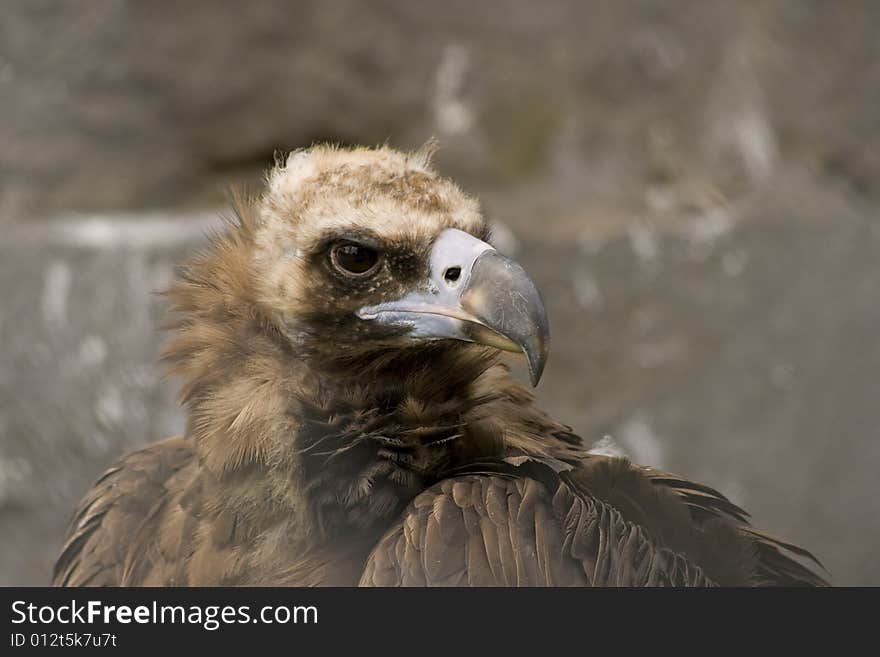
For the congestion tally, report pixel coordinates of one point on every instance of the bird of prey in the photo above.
(350, 421)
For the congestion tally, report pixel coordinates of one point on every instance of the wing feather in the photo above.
(600, 522)
(776, 562)
(519, 534)
(101, 536)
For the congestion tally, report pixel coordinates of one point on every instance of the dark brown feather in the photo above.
(102, 535)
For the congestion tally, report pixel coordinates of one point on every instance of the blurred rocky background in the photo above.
(694, 186)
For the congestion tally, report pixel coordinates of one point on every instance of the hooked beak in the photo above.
(473, 294)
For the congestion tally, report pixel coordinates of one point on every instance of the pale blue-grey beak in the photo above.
(474, 294)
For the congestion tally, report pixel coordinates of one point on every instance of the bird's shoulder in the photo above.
(500, 528)
(119, 515)
(602, 522)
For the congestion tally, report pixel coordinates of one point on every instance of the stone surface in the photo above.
(693, 185)
(122, 104)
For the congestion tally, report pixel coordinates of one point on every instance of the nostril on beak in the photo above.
(452, 275)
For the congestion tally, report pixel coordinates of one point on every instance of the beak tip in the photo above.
(536, 360)
(534, 377)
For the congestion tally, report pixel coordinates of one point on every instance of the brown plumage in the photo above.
(349, 421)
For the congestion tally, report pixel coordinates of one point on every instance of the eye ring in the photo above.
(353, 259)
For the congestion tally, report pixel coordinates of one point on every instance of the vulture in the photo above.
(350, 421)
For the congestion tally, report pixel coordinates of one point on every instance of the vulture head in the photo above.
(365, 256)
(338, 335)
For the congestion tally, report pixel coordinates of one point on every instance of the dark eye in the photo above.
(354, 259)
